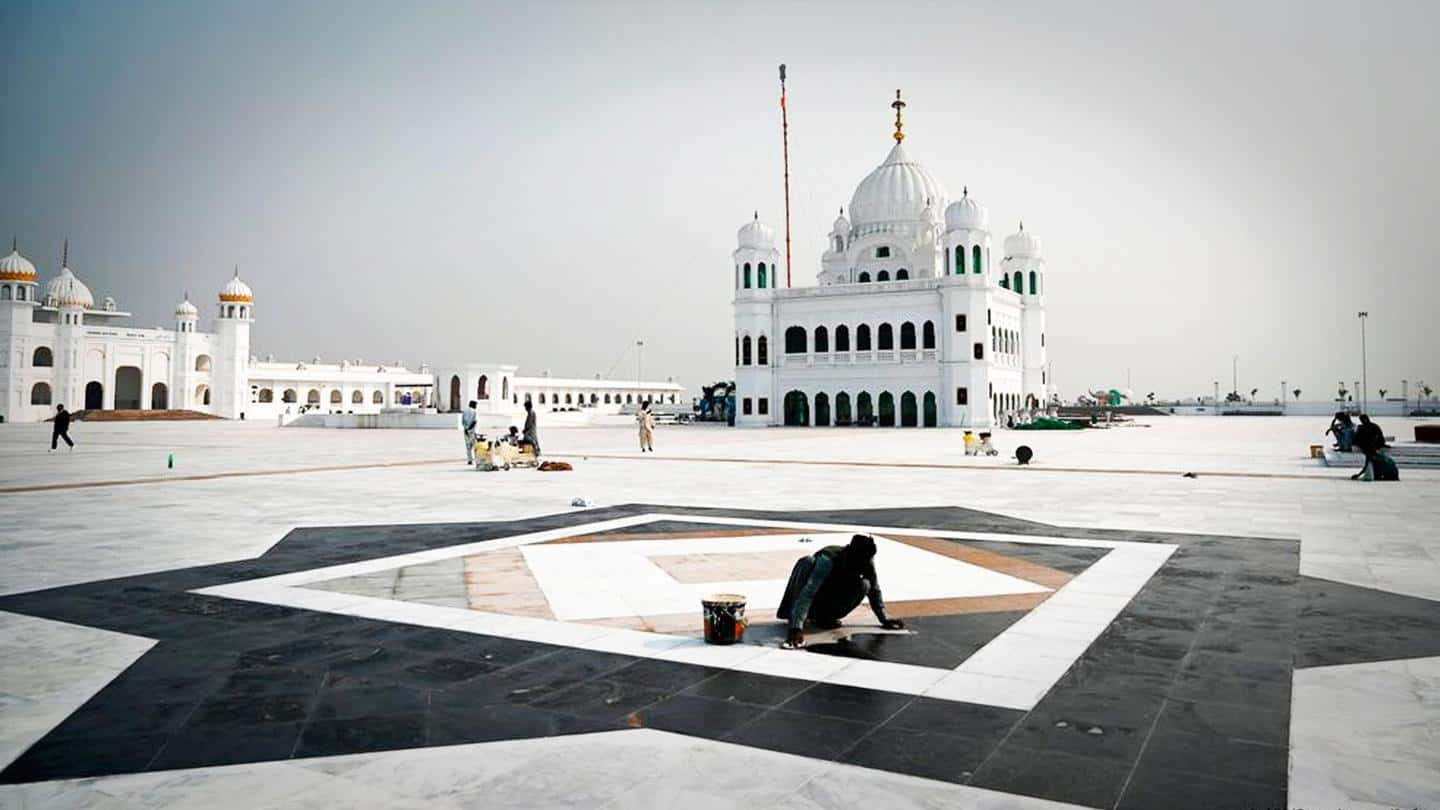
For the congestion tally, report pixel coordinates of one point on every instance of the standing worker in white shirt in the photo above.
(467, 424)
(646, 421)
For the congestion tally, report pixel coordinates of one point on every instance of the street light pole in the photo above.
(639, 366)
(1235, 375)
(1216, 404)
(1364, 379)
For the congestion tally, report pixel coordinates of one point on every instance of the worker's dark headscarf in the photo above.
(858, 554)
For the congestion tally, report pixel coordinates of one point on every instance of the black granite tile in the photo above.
(1268, 695)
(1220, 665)
(955, 718)
(668, 676)
(921, 753)
(272, 681)
(807, 735)
(108, 715)
(442, 671)
(358, 700)
(205, 745)
(1110, 726)
(1225, 720)
(760, 690)
(74, 757)
(452, 721)
(601, 698)
(354, 735)
(229, 710)
(848, 703)
(1220, 757)
(1053, 775)
(1150, 788)
(697, 716)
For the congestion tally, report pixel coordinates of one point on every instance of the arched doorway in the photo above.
(887, 409)
(455, 393)
(128, 380)
(159, 397)
(909, 413)
(822, 410)
(932, 417)
(864, 408)
(797, 409)
(202, 395)
(482, 388)
(842, 409)
(94, 396)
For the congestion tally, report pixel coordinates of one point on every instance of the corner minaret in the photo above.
(755, 261)
(232, 348)
(17, 305)
(1023, 271)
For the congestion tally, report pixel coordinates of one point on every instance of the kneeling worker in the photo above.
(825, 586)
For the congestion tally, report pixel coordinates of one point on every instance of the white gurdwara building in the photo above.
(911, 323)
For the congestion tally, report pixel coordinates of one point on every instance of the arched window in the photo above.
(822, 410)
(378, 398)
(455, 393)
(762, 351)
(907, 335)
(797, 409)
(336, 398)
(43, 357)
(842, 409)
(760, 270)
(542, 399)
(737, 350)
(1005, 281)
(289, 396)
(883, 275)
(927, 335)
(902, 275)
(822, 340)
(267, 395)
(357, 398)
(747, 275)
(975, 259)
(745, 351)
(40, 394)
(568, 400)
(795, 340)
(1034, 283)
(594, 398)
(887, 409)
(607, 399)
(94, 395)
(5, 292)
(959, 260)
(312, 398)
(842, 338)
(202, 362)
(909, 410)
(482, 387)
(930, 411)
(204, 393)
(862, 337)
(839, 245)
(1019, 283)
(864, 408)
(864, 278)
(504, 387)
(886, 338)
(629, 400)
(159, 397)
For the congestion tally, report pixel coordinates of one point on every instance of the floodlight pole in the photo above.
(1364, 378)
(785, 146)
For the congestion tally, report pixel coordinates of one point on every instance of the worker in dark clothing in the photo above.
(531, 433)
(825, 586)
(1369, 439)
(62, 428)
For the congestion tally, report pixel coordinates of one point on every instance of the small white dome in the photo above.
(842, 225)
(1022, 244)
(16, 267)
(65, 290)
(967, 213)
(756, 235)
(236, 291)
(185, 309)
(896, 191)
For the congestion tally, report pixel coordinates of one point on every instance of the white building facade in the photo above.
(60, 348)
(912, 323)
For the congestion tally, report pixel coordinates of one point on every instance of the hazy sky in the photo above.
(545, 183)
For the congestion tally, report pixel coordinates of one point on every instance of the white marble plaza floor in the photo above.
(1361, 735)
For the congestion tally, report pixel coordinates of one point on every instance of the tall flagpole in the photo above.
(785, 140)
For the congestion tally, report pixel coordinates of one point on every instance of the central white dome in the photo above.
(65, 290)
(897, 191)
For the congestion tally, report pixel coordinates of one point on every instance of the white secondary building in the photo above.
(910, 323)
(60, 348)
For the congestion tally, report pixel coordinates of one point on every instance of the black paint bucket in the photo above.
(724, 618)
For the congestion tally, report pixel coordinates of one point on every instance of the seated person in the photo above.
(986, 448)
(513, 436)
(825, 586)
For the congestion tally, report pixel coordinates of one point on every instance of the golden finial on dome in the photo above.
(898, 104)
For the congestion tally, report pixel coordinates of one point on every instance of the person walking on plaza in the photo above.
(825, 586)
(646, 421)
(62, 429)
(467, 426)
(531, 434)
(1369, 439)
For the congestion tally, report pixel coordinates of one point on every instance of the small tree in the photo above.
(1253, 392)
(1382, 392)
(1296, 392)
(1426, 390)
(1343, 393)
